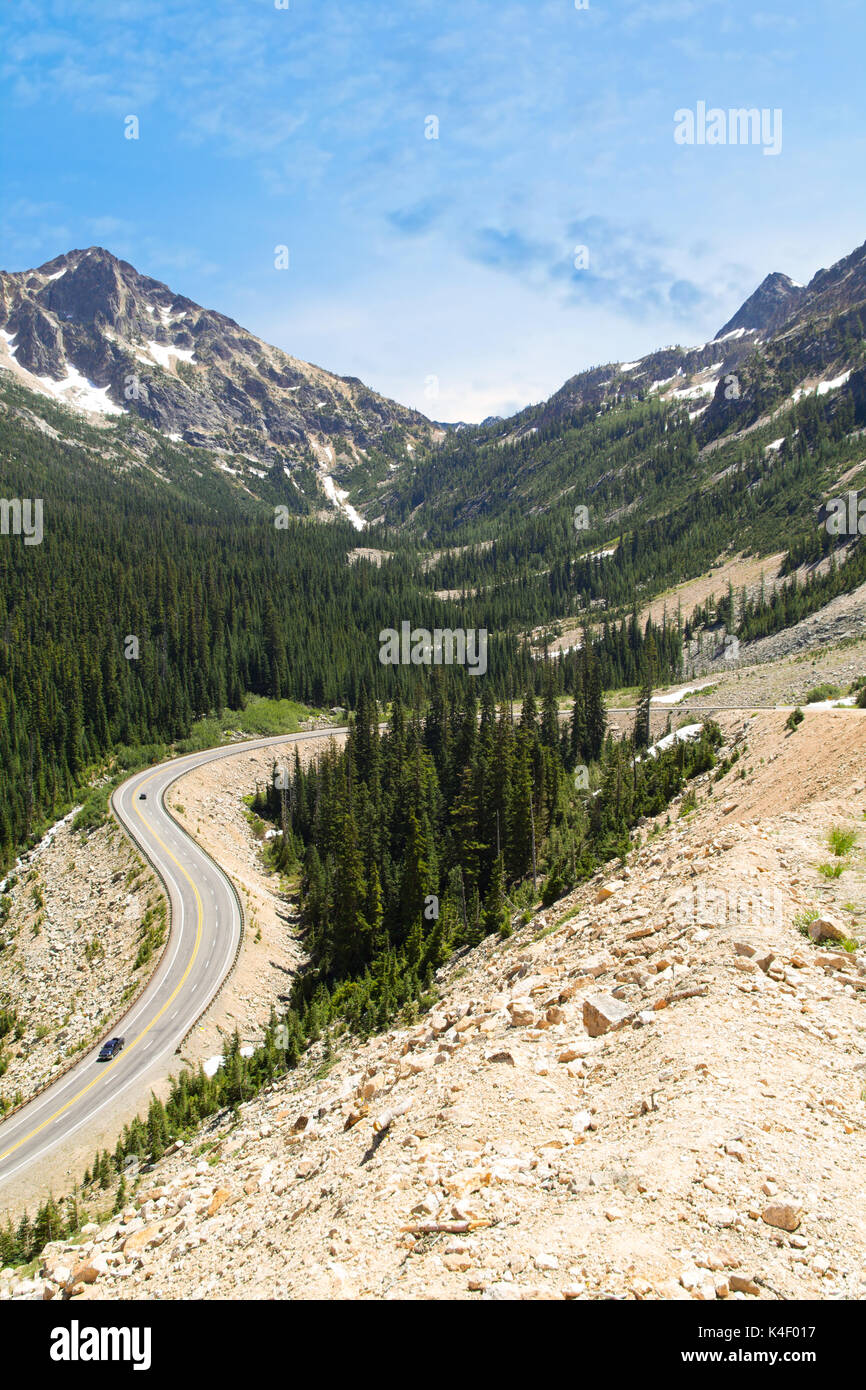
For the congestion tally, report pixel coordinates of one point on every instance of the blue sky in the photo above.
(454, 259)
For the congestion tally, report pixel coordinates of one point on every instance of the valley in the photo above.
(633, 1097)
(441, 1006)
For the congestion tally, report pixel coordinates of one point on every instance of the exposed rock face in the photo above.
(192, 373)
(772, 304)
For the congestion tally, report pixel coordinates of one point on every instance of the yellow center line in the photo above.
(126, 1051)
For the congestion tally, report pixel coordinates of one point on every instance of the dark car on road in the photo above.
(110, 1049)
(142, 796)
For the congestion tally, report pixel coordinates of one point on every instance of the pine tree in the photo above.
(495, 917)
(519, 814)
(529, 712)
(550, 713)
(644, 704)
(577, 748)
(596, 718)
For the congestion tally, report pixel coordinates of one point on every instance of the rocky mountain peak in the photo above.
(92, 331)
(95, 289)
(775, 300)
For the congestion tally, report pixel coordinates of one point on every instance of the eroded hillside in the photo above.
(654, 1089)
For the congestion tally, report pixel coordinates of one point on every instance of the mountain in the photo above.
(778, 309)
(191, 392)
(775, 300)
(92, 332)
(784, 344)
(156, 381)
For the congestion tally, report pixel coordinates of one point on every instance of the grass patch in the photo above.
(260, 718)
(834, 869)
(625, 697)
(841, 841)
(153, 930)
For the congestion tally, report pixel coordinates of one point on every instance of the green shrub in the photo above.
(841, 841)
(832, 870)
(94, 812)
(826, 691)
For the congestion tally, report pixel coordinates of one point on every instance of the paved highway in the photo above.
(205, 931)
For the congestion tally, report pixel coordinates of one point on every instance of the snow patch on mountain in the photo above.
(833, 385)
(163, 355)
(822, 389)
(339, 499)
(10, 339)
(80, 393)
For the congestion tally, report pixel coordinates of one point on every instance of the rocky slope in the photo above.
(798, 316)
(68, 946)
(90, 331)
(654, 1089)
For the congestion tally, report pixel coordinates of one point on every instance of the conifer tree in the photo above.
(550, 713)
(495, 917)
(644, 704)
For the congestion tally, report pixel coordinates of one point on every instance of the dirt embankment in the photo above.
(70, 941)
(654, 1089)
(209, 804)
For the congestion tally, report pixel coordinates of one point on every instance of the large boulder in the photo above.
(601, 1013)
(827, 929)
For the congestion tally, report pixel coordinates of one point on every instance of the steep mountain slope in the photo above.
(775, 301)
(652, 1090)
(125, 351)
(812, 328)
(90, 331)
(640, 470)
(778, 309)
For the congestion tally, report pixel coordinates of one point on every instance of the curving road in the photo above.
(205, 932)
(206, 926)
